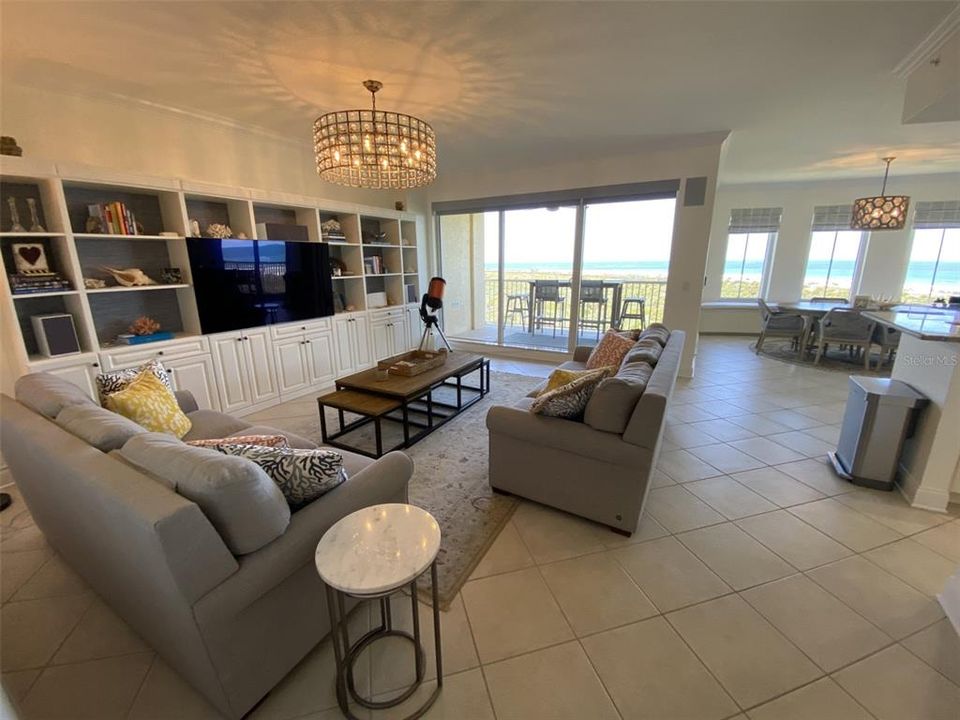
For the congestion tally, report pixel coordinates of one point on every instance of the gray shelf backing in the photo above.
(113, 312)
(145, 207)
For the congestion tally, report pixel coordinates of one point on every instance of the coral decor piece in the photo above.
(144, 325)
(218, 230)
(129, 277)
(94, 283)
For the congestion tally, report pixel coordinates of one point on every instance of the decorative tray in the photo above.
(413, 362)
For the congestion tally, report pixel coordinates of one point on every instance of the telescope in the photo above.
(430, 305)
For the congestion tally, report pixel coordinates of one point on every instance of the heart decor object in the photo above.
(30, 253)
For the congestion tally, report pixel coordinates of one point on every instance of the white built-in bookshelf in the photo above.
(165, 208)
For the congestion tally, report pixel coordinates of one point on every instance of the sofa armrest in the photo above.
(563, 435)
(383, 481)
(582, 352)
(186, 401)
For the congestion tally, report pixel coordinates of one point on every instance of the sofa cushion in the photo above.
(48, 394)
(656, 331)
(206, 424)
(148, 402)
(117, 380)
(569, 401)
(647, 350)
(609, 351)
(302, 475)
(97, 426)
(237, 496)
(612, 403)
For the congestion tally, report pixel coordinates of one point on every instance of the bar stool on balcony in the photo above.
(516, 305)
(547, 291)
(592, 294)
(633, 308)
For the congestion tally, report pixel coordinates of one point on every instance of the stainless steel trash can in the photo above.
(880, 414)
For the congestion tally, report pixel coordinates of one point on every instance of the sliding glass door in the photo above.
(551, 277)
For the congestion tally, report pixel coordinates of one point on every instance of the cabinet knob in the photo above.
(307, 342)
(239, 339)
(303, 327)
(95, 364)
(160, 353)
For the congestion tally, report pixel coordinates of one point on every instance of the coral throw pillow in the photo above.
(273, 441)
(570, 400)
(610, 351)
(151, 404)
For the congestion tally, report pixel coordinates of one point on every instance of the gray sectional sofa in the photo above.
(598, 468)
(231, 624)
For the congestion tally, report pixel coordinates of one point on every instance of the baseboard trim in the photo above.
(921, 498)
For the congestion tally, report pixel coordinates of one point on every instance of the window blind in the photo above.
(941, 214)
(832, 217)
(755, 220)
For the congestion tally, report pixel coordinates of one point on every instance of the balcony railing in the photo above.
(653, 293)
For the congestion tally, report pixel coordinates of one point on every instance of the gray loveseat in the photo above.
(599, 468)
(232, 625)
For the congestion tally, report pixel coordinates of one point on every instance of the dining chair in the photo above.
(778, 323)
(847, 328)
(547, 291)
(888, 339)
(592, 294)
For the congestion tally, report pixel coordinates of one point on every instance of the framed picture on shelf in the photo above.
(30, 258)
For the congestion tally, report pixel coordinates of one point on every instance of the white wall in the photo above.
(134, 137)
(887, 252)
(694, 157)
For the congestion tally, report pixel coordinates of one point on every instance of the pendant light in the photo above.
(881, 212)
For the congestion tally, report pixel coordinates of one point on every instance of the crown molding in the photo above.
(930, 44)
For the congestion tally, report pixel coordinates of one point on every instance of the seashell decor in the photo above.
(129, 277)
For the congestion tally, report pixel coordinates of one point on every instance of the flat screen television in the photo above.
(248, 283)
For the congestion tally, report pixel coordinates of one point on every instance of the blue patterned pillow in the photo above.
(302, 475)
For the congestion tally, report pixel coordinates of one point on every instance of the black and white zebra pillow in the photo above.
(302, 475)
(111, 382)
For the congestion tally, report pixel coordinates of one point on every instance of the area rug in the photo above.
(449, 479)
(834, 359)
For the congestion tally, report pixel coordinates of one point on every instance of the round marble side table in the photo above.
(370, 555)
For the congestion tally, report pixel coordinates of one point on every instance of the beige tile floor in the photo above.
(758, 586)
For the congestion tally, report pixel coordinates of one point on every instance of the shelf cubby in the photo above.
(156, 211)
(283, 215)
(408, 233)
(349, 223)
(237, 214)
(151, 256)
(372, 227)
(389, 254)
(113, 313)
(21, 192)
(28, 306)
(352, 291)
(351, 256)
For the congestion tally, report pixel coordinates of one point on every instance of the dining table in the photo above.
(814, 310)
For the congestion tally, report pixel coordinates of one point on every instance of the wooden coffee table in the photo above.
(406, 400)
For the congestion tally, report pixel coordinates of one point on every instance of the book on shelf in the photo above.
(128, 339)
(115, 218)
(373, 265)
(30, 284)
(334, 237)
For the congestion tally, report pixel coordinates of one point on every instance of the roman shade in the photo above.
(831, 218)
(939, 214)
(755, 220)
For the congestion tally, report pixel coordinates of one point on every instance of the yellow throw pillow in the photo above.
(150, 403)
(560, 377)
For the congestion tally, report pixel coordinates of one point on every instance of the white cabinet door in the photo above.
(321, 364)
(230, 361)
(398, 335)
(196, 375)
(345, 343)
(82, 375)
(292, 366)
(361, 330)
(414, 327)
(263, 379)
(382, 335)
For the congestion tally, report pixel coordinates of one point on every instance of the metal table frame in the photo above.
(345, 653)
(435, 413)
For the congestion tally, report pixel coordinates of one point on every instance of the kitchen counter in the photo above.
(926, 323)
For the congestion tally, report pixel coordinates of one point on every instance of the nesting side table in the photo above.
(372, 554)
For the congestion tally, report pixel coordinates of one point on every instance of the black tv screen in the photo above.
(248, 283)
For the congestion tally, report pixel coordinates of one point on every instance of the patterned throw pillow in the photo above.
(561, 377)
(259, 440)
(302, 475)
(647, 350)
(609, 351)
(150, 403)
(656, 331)
(570, 400)
(111, 382)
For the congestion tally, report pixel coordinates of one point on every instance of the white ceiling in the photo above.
(806, 87)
